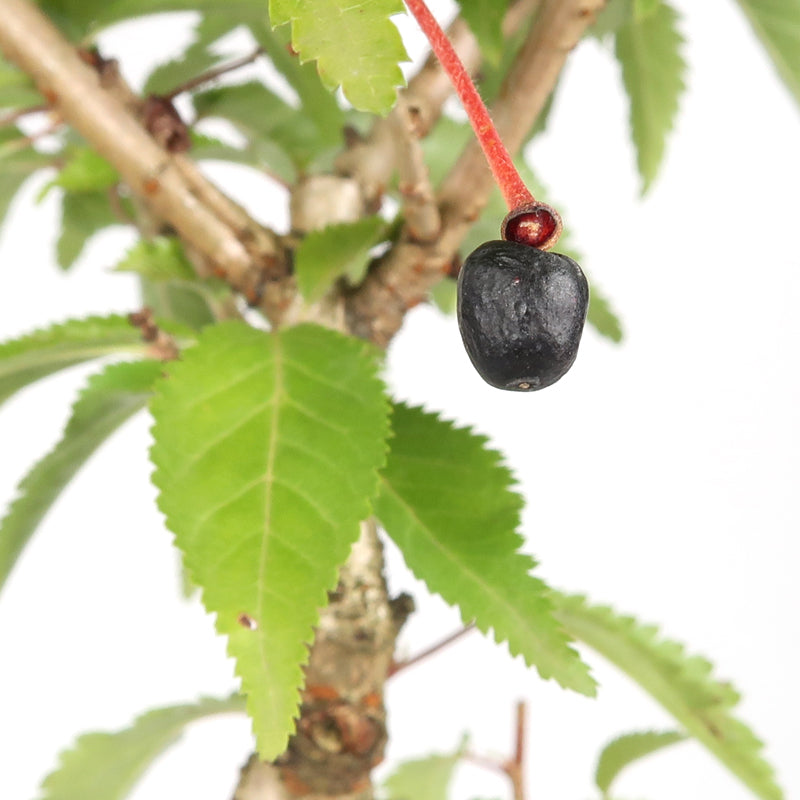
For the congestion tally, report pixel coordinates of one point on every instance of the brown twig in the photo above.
(399, 666)
(409, 270)
(161, 345)
(213, 74)
(74, 88)
(512, 768)
(419, 206)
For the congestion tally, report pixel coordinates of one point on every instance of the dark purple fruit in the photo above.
(521, 313)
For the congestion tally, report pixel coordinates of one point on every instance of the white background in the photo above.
(660, 474)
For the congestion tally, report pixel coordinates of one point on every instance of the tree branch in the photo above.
(409, 270)
(247, 255)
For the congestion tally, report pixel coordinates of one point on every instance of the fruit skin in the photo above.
(521, 313)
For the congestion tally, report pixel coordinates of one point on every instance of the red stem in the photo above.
(512, 186)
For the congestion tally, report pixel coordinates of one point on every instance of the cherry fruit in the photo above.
(521, 313)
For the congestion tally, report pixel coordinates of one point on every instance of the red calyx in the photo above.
(535, 224)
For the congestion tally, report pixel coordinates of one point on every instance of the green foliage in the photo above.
(38, 354)
(158, 259)
(682, 684)
(643, 8)
(267, 449)
(282, 138)
(83, 214)
(195, 60)
(602, 317)
(447, 501)
(84, 171)
(777, 25)
(626, 749)
(614, 15)
(649, 51)
(319, 30)
(422, 778)
(18, 161)
(106, 766)
(485, 19)
(110, 398)
(17, 90)
(335, 251)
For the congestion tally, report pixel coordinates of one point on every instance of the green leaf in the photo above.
(106, 766)
(17, 164)
(267, 450)
(38, 354)
(602, 317)
(643, 8)
(185, 303)
(17, 89)
(367, 67)
(84, 171)
(682, 684)
(83, 214)
(336, 250)
(158, 259)
(110, 398)
(653, 69)
(485, 20)
(777, 25)
(315, 100)
(283, 138)
(613, 16)
(446, 500)
(626, 749)
(444, 296)
(422, 778)
(195, 60)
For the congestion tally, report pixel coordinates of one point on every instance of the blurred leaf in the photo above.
(425, 778)
(485, 20)
(444, 296)
(195, 60)
(185, 303)
(653, 69)
(615, 14)
(315, 100)
(334, 251)
(681, 683)
(83, 214)
(109, 399)
(266, 120)
(267, 448)
(106, 766)
(777, 25)
(17, 89)
(319, 32)
(626, 749)
(602, 317)
(84, 171)
(18, 162)
(447, 501)
(158, 259)
(643, 8)
(38, 354)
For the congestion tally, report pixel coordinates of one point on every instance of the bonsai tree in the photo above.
(286, 456)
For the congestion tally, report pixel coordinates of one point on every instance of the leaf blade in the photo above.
(38, 354)
(649, 51)
(263, 519)
(446, 501)
(680, 683)
(777, 25)
(110, 398)
(335, 250)
(626, 749)
(319, 28)
(106, 766)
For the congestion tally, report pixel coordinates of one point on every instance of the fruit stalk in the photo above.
(514, 190)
